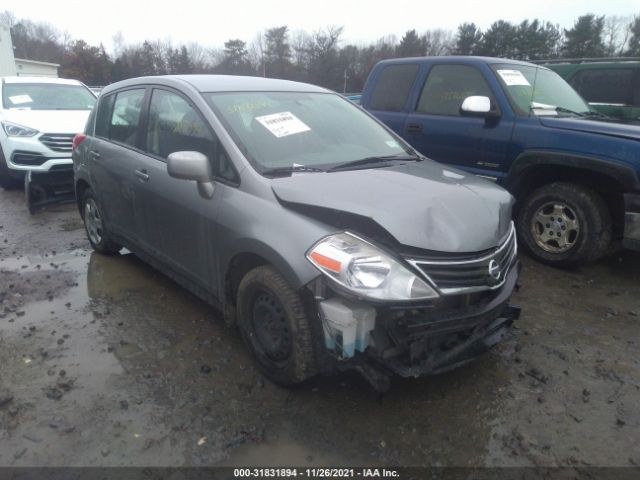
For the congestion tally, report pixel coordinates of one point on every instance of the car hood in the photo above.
(592, 126)
(423, 205)
(49, 121)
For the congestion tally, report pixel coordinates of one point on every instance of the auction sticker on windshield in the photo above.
(18, 99)
(283, 124)
(513, 77)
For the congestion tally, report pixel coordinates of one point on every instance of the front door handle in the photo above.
(94, 154)
(142, 175)
(414, 128)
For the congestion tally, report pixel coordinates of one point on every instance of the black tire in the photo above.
(581, 207)
(287, 358)
(101, 243)
(6, 180)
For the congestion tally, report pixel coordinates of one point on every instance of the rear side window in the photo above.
(393, 87)
(447, 86)
(103, 117)
(175, 126)
(605, 86)
(125, 118)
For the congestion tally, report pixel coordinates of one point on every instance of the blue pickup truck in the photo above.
(574, 174)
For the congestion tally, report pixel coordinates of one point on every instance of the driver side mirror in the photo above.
(194, 166)
(479, 106)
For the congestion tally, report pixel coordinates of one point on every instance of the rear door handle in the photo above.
(414, 128)
(142, 175)
(94, 154)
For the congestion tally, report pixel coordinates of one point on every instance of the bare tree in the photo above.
(615, 34)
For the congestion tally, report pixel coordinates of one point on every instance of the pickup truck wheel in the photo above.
(275, 327)
(564, 224)
(94, 224)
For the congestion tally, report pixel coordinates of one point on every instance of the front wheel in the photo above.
(95, 226)
(275, 327)
(563, 224)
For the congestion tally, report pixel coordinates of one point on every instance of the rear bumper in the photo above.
(631, 238)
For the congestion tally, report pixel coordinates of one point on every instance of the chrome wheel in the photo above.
(555, 227)
(93, 221)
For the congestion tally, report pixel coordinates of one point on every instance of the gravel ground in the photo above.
(103, 361)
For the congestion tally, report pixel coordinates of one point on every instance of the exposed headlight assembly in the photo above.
(14, 130)
(366, 270)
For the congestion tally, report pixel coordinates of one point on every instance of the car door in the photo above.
(180, 223)
(113, 153)
(437, 128)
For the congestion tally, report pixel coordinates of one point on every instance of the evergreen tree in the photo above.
(585, 38)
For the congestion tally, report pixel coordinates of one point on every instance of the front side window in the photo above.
(175, 126)
(393, 87)
(288, 129)
(539, 91)
(47, 96)
(447, 86)
(125, 116)
(611, 86)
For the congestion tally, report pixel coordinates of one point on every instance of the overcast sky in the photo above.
(213, 22)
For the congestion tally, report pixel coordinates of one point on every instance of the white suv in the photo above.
(39, 118)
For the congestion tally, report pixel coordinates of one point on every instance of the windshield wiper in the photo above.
(542, 106)
(373, 160)
(290, 169)
(594, 114)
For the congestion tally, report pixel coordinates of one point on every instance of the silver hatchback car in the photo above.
(329, 241)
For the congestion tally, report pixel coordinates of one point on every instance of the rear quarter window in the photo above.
(393, 87)
(612, 86)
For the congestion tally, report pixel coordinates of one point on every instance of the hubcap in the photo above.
(93, 221)
(555, 227)
(271, 326)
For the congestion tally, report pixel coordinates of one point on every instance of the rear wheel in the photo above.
(94, 224)
(275, 326)
(564, 224)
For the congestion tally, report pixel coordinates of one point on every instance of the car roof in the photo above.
(58, 81)
(220, 83)
(457, 59)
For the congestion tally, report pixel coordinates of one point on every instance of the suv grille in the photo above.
(475, 273)
(58, 142)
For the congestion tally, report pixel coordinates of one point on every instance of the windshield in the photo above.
(540, 91)
(292, 129)
(47, 96)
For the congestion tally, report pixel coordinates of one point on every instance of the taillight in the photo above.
(77, 140)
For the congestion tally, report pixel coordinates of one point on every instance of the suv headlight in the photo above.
(366, 270)
(14, 130)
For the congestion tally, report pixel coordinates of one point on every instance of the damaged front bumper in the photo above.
(420, 340)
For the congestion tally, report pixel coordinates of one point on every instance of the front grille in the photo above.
(58, 142)
(28, 158)
(475, 273)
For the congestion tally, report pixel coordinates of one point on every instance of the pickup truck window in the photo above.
(393, 87)
(447, 86)
(539, 90)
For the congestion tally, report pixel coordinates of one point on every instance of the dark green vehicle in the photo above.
(611, 85)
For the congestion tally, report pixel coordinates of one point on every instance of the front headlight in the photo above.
(14, 130)
(366, 270)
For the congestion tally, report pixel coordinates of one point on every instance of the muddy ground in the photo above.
(103, 361)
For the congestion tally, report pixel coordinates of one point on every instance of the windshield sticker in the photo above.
(392, 144)
(513, 77)
(283, 124)
(19, 99)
